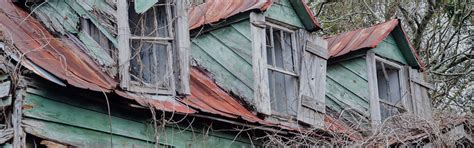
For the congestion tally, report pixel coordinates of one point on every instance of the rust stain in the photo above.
(27, 107)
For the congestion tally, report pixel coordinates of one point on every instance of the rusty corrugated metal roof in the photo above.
(63, 59)
(206, 96)
(367, 38)
(215, 10)
(364, 38)
(56, 55)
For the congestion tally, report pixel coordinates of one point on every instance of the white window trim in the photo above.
(375, 113)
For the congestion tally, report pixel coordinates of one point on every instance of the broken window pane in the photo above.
(150, 46)
(388, 83)
(152, 23)
(282, 79)
(389, 89)
(149, 64)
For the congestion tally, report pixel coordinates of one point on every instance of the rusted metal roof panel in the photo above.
(207, 97)
(169, 105)
(56, 55)
(364, 38)
(213, 11)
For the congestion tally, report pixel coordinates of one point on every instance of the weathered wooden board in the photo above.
(225, 56)
(283, 11)
(223, 78)
(44, 109)
(347, 86)
(78, 136)
(237, 41)
(349, 80)
(389, 49)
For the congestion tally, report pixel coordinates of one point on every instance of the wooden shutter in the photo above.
(259, 64)
(312, 80)
(418, 99)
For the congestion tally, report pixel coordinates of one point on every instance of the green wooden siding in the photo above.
(282, 11)
(226, 54)
(347, 86)
(388, 48)
(68, 116)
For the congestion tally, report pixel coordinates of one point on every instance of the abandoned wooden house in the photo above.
(146, 73)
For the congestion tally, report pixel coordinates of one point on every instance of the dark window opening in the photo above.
(389, 89)
(151, 47)
(283, 79)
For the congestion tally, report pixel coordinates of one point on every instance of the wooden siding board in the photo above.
(78, 136)
(226, 57)
(357, 66)
(389, 49)
(243, 28)
(235, 41)
(347, 85)
(223, 78)
(52, 111)
(340, 94)
(285, 14)
(349, 80)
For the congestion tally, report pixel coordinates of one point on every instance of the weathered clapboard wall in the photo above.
(56, 113)
(226, 52)
(281, 10)
(388, 48)
(347, 84)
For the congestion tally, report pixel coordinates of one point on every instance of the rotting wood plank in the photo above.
(45, 109)
(373, 93)
(357, 66)
(182, 63)
(77, 136)
(259, 64)
(123, 43)
(235, 41)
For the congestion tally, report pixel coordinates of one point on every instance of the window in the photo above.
(151, 49)
(389, 86)
(282, 70)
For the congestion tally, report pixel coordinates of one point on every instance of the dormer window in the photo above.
(153, 47)
(282, 70)
(389, 87)
(289, 66)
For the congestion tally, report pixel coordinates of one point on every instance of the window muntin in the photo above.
(283, 79)
(389, 88)
(150, 46)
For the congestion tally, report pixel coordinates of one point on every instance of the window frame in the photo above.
(375, 101)
(273, 67)
(167, 41)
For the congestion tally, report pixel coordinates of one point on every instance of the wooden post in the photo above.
(18, 133)
(182, 46)
(259, 64)
(123, 30)
(373, 90)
